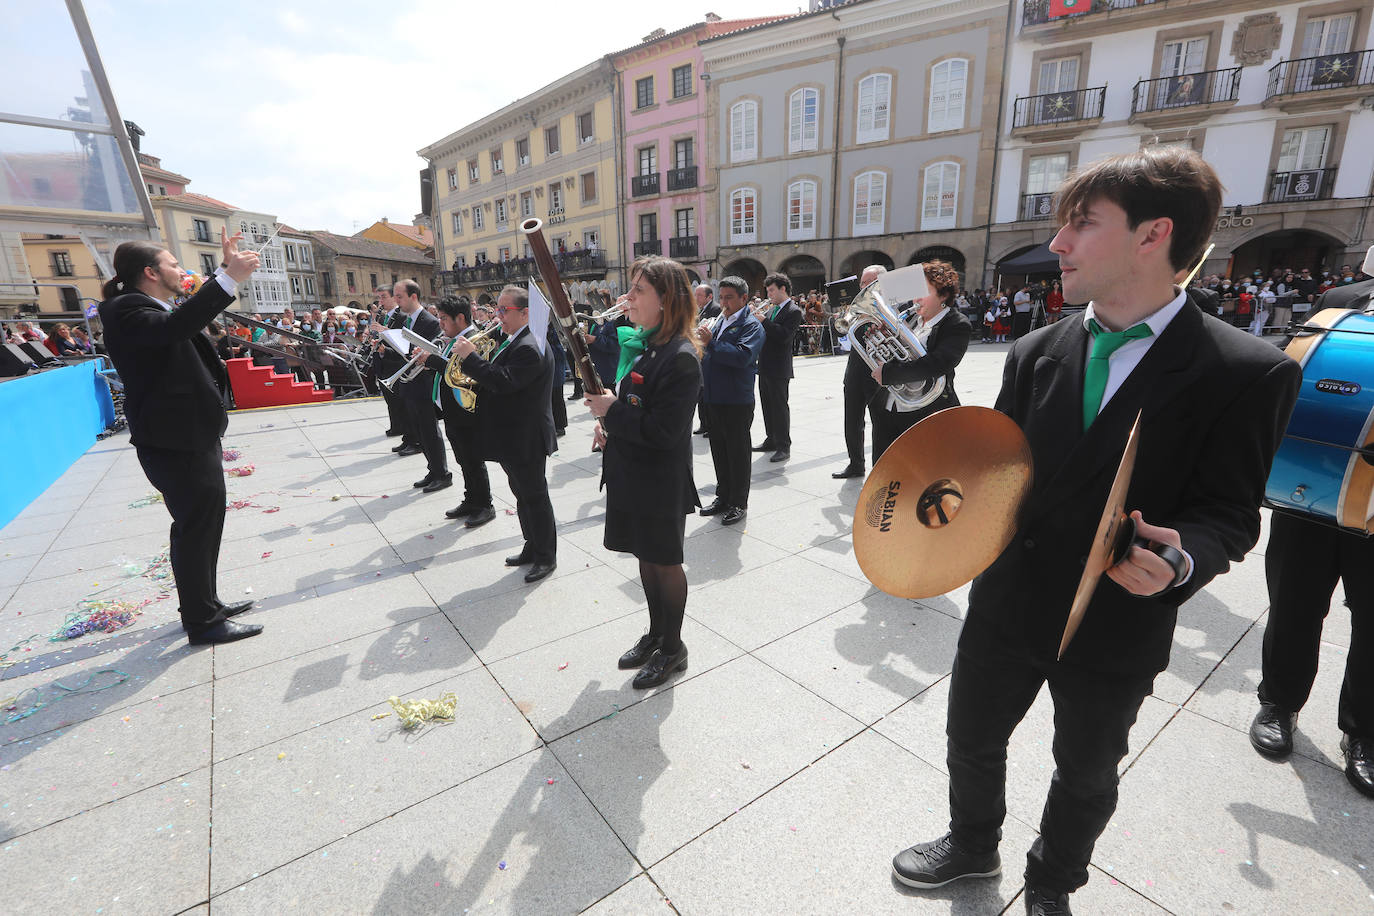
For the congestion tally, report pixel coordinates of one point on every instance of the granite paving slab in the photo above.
(638, 897)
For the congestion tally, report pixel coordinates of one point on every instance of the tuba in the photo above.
(881, 336)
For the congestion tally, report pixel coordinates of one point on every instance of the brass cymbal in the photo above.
(942, 503)
(1115, 532)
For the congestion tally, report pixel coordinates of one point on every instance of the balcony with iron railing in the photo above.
(684, 246)
(644, 185)
(651, 246)
(1037, 206)
(682, 179)
(1185, 99)
(571, 264)
(1037, 12)
(1301, 185)
(1054, 115)
(1329, 81)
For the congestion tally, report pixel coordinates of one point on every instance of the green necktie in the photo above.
(503, 346)
(1105, 343)
(773, 315)
(438, 376)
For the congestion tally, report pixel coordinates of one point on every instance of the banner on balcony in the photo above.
(1059, 8)
(1185, 90)
(1334, 69)
(1302, 185)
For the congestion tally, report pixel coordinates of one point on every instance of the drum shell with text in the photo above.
(1317, 470)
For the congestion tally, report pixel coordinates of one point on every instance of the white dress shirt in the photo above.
(1123, 362)
(226, 283)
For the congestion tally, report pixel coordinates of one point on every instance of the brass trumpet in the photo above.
(420, 350)
(612, 313)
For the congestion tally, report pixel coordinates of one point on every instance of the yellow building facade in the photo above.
(550, 155)
(65, 275)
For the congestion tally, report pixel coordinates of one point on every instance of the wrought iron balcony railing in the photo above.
(1306, 184)
(652, 246)
(1059, 107)
(1170, 92)
(683, 246)
(682, 179)
(1037, 206)
(642, 185)
(1037, 11)
(1349, 70)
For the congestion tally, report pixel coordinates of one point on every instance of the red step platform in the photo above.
(263, 386)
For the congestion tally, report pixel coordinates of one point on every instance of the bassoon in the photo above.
(563, 310)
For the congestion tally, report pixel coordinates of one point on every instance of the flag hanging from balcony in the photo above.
(1059, 8)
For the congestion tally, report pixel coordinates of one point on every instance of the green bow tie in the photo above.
(1105, 343)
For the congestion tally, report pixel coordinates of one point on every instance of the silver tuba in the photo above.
(881, 336)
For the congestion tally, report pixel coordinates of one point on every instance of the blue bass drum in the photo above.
(1324, 468)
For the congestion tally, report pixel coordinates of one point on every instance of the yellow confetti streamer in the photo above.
(414, 713)
(380, 715)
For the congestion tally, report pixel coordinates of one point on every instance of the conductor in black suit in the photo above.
(945, 334)
(417, 395)
(174, 391)
(780, 321)
(1214, 402)
(516, 420)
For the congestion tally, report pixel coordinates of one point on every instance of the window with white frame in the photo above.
(477, 218)
(743, 216)
(948, 90)
(526, 205)
(457, 222)
(875, 106)
(648, 160)
(453, 179)
(310, 287)
(685, 222)
(500, 211)
(1044, 174)
(295, 286)
(870, 199)
(1303, 149)
(801, 209)
(940, 201)
(1179, 58)
(804, 120)
(555, 198)
(1327, 35)
(744, 131)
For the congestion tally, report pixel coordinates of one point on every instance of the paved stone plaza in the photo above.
(801, 750)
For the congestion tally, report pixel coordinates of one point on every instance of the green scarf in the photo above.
(633, 342)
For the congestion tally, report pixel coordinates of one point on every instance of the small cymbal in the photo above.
(1115, 532)
(942, 502)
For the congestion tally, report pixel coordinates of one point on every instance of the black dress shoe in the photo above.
(937, 863)
(520, 559)
(422, 482)
(638, 655)
(480, 517)
(850, 470)
(764, 446)
(395, 432)
(460, 510)
(233, 610)
(1359, 763)
(408, 450)
(539, 571)
(1272, 731)
(562, 431)
(732, 515)
(224, 631)
(781, 454)
(699, 430)
(401, 447)
(716, 508)
(437, 484)
(659, 668)
(1041, 902)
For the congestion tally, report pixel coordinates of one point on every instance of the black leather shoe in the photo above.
(401, 447)
(1040, 902)
(764, 446)
(480, 517)
(408, 450)
(539, 571)
(781, 454)
(1359, 763)
(233, 610)
(637, 656)
(460, 510)
(422, 482)
(1272, 731)
(575, 396)
(437, 484)
(699, 431)
(659, 668)
(850, 470)
(394, 432)
(520, 559)
(224, 631)
(716, 508)
(732, 515)
(939, 862)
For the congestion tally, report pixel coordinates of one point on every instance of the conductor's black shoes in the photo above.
(939, 862)
(1040, 902)
(224, 631)
(1272, 731)
(1359, 763)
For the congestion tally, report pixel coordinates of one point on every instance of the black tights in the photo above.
(665, 587)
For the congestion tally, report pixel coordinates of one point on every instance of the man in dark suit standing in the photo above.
(460, 423)
(706, 310)
(174, 391)
(1213, 402)
(780, 322)
(859, 391)
(516, 419)
(1302, 564)
(417, 395)
(729, 362)
(385, 362)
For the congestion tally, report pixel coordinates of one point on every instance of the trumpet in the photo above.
(421, 350)
(612, 313)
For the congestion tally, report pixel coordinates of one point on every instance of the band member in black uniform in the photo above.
(460, 424)
(417, 395)
(385, 362)
(645, 431)
(780, 320)
(945, 334)
(706, 310)
(174, 389)
(515, 416)
(1302, 564)
(859, 390)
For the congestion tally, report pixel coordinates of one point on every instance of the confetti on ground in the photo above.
(414, 713)
(245, 470)
(152, 499)
(501, 865)
(282, 755)
(232, 454)
(12, 704)
(266, 554)
(562, 666)
(97, 616)
(380, 715)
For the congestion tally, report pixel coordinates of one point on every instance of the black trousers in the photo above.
(560, 408)
(1020, 324)
(423, 424)
(703, 414)
(1093, 715)
(730, 451)
(777, 416)
(888, 425)
(192, 488)
(1302, 564)
(467, 450)
(395, 410)
(531, 489)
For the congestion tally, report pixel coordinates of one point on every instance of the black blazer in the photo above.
(174, 384)
(515, 401)
(448, 402)
(776, 358)
(647, 466)
(421, 389)
(1215, 403)
(945, 349)
(709, 310)
(389, 360)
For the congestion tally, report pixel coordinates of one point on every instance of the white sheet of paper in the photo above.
(397, 341)
(539, 317)
(1368, 266)
(904, 284)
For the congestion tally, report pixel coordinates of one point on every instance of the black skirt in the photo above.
(652, 538)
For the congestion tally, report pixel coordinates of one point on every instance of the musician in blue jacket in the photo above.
(730, 363)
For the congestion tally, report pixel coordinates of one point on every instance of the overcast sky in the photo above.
(312, 110)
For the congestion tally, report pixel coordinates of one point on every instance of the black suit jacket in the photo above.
(709, 310)
(174, 383)
(647, 467)
(389, 360)
(515, 402)
(776, 358)
(421, 389)
(1214, 402)
(945, 349)
(448, 402)
(1351, 296)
